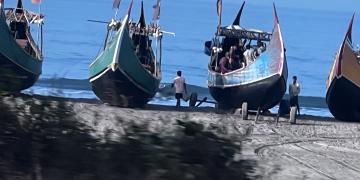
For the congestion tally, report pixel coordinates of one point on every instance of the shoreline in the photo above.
(62, 138)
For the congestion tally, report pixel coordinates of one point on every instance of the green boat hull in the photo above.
(117, 76)
(18, 69)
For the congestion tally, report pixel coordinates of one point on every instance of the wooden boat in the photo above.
(127, 72)
(20, 57)
(260, 84)
(343, 84)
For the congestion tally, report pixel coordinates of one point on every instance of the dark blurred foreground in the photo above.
(43, 138)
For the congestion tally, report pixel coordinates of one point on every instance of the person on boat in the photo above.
(240, 49)
(260, 47)
(224, 63)
(248, 54)
(234, 61)
(180, 87)
(294, 91)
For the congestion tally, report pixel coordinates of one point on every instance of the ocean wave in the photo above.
(165, 90)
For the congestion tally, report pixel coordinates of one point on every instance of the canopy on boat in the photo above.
(235, 31)
(12, 14)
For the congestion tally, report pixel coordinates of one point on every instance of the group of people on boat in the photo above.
(142, 43)
(240, 56)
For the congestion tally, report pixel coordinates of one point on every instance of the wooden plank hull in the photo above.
(118, 77)
(264, 94)
(116, 88)
(343, 99)
(19, 69)
(343, 85)
(14, 78)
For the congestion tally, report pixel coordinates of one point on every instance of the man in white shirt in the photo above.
(294, 91)
(180, 87)
(248, 54)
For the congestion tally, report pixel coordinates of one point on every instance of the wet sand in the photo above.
(57, 138)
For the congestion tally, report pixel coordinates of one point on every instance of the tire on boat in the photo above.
(193, 100)
(293, 115)
(244, 111)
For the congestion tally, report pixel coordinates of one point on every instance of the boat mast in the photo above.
(116, 5)
(219, 12)
(156, 18)
(1, 7)
(40, 30)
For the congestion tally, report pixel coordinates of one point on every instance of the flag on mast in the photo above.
(219, 10)
(130, 7)
(116, 4)
(219, 7)
(156, 7)
(36, 1)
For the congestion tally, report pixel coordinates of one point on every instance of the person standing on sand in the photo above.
(180, 87)
(294, 91)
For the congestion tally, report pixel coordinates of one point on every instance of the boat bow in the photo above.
(270, 63)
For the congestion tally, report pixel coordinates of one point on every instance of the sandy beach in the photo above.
(57, 138)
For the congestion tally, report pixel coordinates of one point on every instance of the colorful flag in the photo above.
(116, 4)
(131, 4)
(156, 7)
(219, 7)
(36, 1)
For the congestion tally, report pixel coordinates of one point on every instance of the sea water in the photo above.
(311, 39)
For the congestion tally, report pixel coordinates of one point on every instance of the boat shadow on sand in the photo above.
(46, 138)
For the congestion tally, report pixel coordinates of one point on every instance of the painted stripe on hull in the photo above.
(343, 99)
(264, 94)
(116, 89)
(13, 78)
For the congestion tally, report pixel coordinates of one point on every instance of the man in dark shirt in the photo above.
(234, 62)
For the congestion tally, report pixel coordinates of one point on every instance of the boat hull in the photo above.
(343, 84)
(265, 93)
(14, 78)
(118, 77)
(343, 99)
(18, 69)
(116, 88)
(262, 82)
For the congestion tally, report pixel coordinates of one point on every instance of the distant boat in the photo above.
(261, 83)
(127, 72)
(343, 84)
(20, 57)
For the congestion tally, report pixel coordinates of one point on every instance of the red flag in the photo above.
(219, 7)
(156, 7)
(116, 4)
(36, 1)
